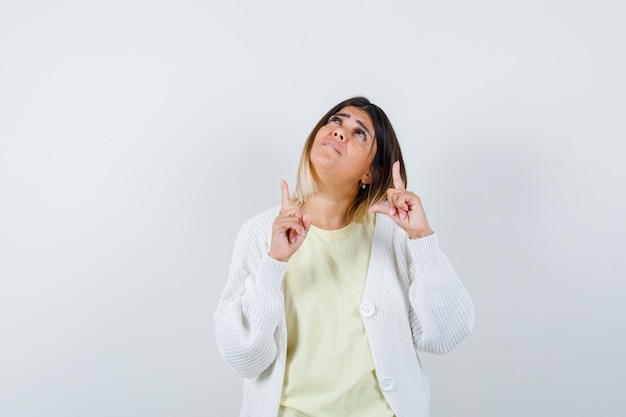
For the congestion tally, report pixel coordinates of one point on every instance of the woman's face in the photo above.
(343, 149)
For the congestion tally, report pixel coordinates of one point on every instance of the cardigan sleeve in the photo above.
(251, 305)
(443, 312)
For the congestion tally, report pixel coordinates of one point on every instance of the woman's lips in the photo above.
(333, 145)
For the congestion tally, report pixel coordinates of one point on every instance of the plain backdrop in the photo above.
(136, 136)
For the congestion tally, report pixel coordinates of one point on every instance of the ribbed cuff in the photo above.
(426, 253)
(271, 273)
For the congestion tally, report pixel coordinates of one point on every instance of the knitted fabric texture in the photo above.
(413, 301)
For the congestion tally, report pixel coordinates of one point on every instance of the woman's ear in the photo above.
(367, 178)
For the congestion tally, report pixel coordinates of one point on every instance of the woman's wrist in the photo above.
(420, 233)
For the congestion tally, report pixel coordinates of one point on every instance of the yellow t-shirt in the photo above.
(329, 370)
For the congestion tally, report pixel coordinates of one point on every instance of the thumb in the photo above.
(380, 208)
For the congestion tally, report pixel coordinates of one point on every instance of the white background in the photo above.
(136, 136)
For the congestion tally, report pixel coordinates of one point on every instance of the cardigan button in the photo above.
(386, 384)
(367, 310)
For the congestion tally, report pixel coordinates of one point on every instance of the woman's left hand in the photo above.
(404, 207)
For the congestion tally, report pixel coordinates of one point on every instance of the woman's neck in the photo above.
(327, 211)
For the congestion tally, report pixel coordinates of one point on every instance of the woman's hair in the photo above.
(387, 152)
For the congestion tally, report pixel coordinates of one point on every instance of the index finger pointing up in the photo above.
(397, 178)
(285, 202)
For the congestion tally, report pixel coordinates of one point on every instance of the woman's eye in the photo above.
(361, 134)
(334, 119)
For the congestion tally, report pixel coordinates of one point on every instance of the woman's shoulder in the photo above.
(261, 222)
(388, 225)
(389, 234)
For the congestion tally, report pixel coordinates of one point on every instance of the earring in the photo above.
(363, 186)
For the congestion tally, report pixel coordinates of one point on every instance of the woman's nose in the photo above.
(338, 134)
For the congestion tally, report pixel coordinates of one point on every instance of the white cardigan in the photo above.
(413, 300)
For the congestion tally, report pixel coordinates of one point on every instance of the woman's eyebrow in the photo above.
(360, 123)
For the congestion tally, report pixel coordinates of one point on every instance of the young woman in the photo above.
(331, 294)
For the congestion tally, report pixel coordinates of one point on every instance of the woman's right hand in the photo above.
(289, 228)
